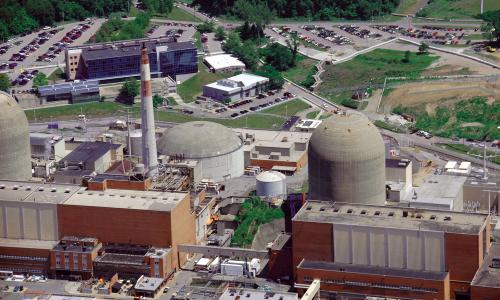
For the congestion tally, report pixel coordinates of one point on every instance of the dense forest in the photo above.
(21, 16)
(315, 9)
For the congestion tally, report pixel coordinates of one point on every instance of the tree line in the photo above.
(23, 16)
(313, 9)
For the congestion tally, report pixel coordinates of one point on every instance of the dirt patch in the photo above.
(433, 94)
(447, 70)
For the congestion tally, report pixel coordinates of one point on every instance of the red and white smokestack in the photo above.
(149, 154)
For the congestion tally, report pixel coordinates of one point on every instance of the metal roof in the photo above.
(73, 88)
(89, 152)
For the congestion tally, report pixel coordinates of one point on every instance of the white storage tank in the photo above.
(271, 184)
(135, 148)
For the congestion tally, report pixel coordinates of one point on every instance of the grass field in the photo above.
(197, 40)
(178, 14)
(406, 7)
(57, 75)
(191, 88)
(371, 69)
(110, 109)
(312, 114)
(466, 149)
(302, 70)
(453, 9)
(288, 108)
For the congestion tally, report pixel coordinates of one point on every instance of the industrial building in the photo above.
(216, 151)
(240, 293)
(236, 87)
(73, 92)
(438, 191)
(481, 195)
(108, 61)
(223, 63)
(280, 151)
(399, 178)
(347, 161)
(72, 257)
(308, 125)
(486, 282)
(47, 146)
(88, 157)
(380, 251)
(15, 163)
(149, 286)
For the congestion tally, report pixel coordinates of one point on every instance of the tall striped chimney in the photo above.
(149, 154)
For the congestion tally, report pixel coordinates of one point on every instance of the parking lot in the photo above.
(44, 49)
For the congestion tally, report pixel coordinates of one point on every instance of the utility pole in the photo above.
(129, 145)
(482, 6)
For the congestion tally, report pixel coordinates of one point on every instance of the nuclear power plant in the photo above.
(149, 154)
(15, 163)
(347, 161)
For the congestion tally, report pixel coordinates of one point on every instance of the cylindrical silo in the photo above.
(271, 184)
(347, 161)
(135, 138)
(15, 160)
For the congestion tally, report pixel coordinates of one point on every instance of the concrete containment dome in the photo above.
(271, 184)
(347, 161)
(15, 163)
(218, 149)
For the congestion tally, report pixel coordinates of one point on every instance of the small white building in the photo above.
(308, 125)
(236, 87)
(224, 63)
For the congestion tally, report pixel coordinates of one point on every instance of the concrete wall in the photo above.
(396, 248)
(222, 167)
(72, 60)
(28, 220)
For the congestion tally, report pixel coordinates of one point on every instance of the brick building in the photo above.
(72, 257)
(379, 251)
(486, 283)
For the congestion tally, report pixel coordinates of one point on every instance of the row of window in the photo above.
(31, 258)
(308, 279)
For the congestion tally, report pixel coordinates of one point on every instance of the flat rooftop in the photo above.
(149, 284)
(222, 61)
(36, 192)
(130, 48)
(89, 152)
(233, 293)
(29, 244)
(390, 217)
(492, 183)
(489, 273)
(124, 259)
(371, 270)
(438, 189)
(127, 199)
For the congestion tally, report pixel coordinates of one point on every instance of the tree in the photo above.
(4, 82)
(487, 30)
(157, 100)
(220, 34)
(130, 90)
(406, 58)
(233, 42)
(40, 80)
(207, 26)
(423, 48)
(254, 13)
(293, 43)
(22, 22)
(41, 10)
(4, 31)
(278, 56)
(276, 80)
(492, 26)
(158, 6)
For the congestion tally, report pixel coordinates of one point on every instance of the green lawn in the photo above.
(312, 114)
(178, 14)
(108, 109)
(171, 101)
(453, 9)
(288, 108)
(387, 126)
(372, 68)
(303, 69)
(475, 36)
(191, 88)
(57, 75)
(472, 150)
(406, 7)
(197, 40)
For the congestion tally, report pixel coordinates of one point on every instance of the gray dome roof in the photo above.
(346, 138)
(15, 163)
(199, 139)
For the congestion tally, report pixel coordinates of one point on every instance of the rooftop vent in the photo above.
(53, 190)
(433, 217)
(377, 213)
(495, 263)
(28, 188)
(15, 187)
(336, 210)
(2, 187)
(418, 216)
(40, 189)
(349, 211)
(391, 214)
(363, 212)
(447, 218)
(308, 208)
